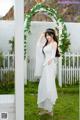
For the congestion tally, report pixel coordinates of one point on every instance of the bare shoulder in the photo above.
(54, 44)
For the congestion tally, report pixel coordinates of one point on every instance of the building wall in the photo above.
(7, 32)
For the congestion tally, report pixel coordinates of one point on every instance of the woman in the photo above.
(46, 52)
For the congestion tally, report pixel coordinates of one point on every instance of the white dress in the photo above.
(47, 92)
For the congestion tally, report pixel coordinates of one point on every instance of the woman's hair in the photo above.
(51, 32)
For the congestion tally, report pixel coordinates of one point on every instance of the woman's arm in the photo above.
(39, 57)
(41, 37)
(41, 41)
(54, 47)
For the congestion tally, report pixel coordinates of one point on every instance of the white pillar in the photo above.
(19, 58)
(25, 72)
(60, 71)
(60, 58)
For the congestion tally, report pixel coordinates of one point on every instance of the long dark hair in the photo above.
(51, 32)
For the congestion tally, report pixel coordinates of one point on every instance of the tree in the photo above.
(1, 59)
(12, 45)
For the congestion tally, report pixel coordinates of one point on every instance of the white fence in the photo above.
(8, 65)
(69, 71)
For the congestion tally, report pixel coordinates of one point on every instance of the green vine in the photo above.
(64, 37)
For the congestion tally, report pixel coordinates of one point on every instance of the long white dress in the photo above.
(47, 92)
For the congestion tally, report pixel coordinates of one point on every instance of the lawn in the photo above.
(66, 107)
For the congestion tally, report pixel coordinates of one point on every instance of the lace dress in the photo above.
(47, 93)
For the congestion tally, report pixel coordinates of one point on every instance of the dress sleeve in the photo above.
(53, 53)
(52, 56)
(39, 58)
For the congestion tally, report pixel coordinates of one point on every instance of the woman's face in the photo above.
(49, 38)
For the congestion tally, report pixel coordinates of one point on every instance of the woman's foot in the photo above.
(42, 112)
(50, 113)
(45, 112)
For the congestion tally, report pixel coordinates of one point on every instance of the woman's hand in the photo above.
(42, 38)
(49, 62)
(43, 34)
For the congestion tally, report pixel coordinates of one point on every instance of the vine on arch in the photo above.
(64, 41)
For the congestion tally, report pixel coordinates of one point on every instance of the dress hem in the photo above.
(48, 98)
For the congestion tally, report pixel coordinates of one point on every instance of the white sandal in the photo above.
(46, 112)
(42, 112)
(50, 113)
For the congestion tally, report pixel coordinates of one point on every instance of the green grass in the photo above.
(66, 107)
(7, 87)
